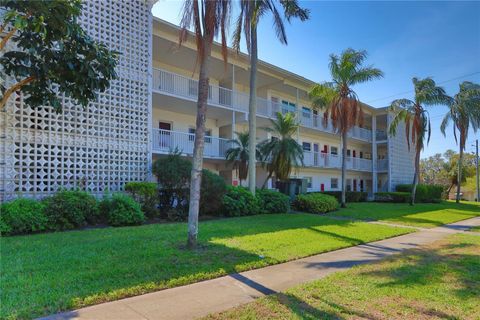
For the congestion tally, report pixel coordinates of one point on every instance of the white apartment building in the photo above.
(151, 110)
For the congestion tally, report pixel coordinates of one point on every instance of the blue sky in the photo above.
(404, 39)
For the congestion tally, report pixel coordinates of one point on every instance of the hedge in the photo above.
(121, 210)
(271, 201)
(396, 197)
(145, 193)
(21, 216)
(351, 196)
(239, 201)
(424, 192)
(315, 203)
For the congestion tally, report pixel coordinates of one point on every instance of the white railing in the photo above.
(164, 141)
(178, 85)
(382, 165)
(325, 160)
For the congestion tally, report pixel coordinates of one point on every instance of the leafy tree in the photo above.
(464, 112)
(432, 170)
(282, 152)
(46, 52)
(339, 101)
(237, 154)
(251, 11)
(207, 18)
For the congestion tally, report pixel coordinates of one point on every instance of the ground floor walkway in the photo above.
(202, 298)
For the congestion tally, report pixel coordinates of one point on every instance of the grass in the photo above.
(425, 215)
(475, 229)
(47, 273)
(440, 281)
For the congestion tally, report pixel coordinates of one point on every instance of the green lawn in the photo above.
(47, 273)
(420, 215)
(441, 281)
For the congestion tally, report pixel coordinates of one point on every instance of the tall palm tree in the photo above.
(207, 18)
(237, 154)
(339, 101)
(282, 152)
(464, 112)
(250, 13)
(415, 116)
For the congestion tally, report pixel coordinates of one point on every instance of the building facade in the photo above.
(151, 109)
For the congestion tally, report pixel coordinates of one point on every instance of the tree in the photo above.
(207, 18)
(464, 112)
(237, 154)
(46, 52)
(432, 170)
(250, 13)
(282, 152)
(415, 116)
(339, 101)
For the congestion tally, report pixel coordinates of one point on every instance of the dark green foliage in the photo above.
(396, 197)
(68, 209)
(54, 53)
(272, 201)
(239, 201)
(22, 216)
(315, 203)
(425, 192)
(212, 190)
(351, 196)
(145, 193)
(121, 210)
(173, 174)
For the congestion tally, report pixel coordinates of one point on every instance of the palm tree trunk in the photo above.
(252, 112)
(459, 174)
(415, 177)
(196, 173)
(344, 169)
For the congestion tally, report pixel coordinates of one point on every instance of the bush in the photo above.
(212, 190)
(351, 196)
(21, 216)
(396, 197)
(68, 209)
(239, 201)
(121, 210)
(424, 192)
(145, 193)
(272, 201)
(315, 203)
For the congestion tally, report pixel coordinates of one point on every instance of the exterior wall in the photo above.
(98, 148)
(400, 159)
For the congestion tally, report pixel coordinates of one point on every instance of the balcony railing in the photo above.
(381, 135)
(382, 165)
(177, 85)
(325, 160)
(165, 141)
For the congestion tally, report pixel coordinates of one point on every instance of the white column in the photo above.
(374, 155)
(233, 94)
(298, 116)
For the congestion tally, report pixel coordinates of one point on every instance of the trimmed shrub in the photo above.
(436, 193)
(21, 216)
(212, 190)
(271, 201)
(239, 201)
(351, 196)
(145, 193)
(396, 197)
(403, 188)
(315, 203)
(121, 210)
(424, 192)
(68, 209)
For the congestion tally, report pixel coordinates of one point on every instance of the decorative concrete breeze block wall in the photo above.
(98, 148)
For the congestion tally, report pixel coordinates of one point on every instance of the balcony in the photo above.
(382, 165)
(164, 141)
(324, 160)
(179, 86)
(380, 135)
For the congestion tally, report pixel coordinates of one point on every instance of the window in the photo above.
(306, 112)
(208, 135)
(334, 150)
(309, 181)
(334, 183)
(307, 146)
(349, 153)
(288, 107)
(349, 184)
(361, 154)
(191, 134)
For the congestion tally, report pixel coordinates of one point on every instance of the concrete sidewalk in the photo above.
(202, 298)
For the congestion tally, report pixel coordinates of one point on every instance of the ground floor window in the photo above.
(334, 150)
(334, 183)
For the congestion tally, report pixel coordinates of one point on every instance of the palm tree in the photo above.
(338, 100)
(464, 112)
(207, 18)
(417, 119)
(250, 13)
(282, 152)
(237, 154)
